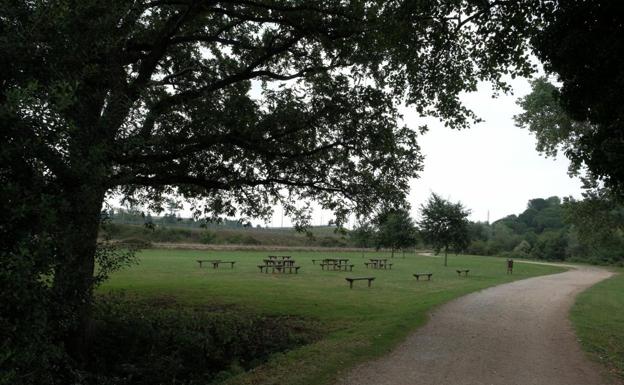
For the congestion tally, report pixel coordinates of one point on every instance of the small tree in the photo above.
(444, 225)
(363, 235)
(396, 230)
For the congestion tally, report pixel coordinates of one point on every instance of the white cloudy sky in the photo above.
(492, 166)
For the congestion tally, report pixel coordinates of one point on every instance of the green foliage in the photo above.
(551, 245)
(154, 99)
(356, 325)
(160, 341)
(444, 225)
(139, 236)
(598, 226)
(395, 230)
(363, 235)
(581, 43)
(590, 230)
(597, 316)
(207, 237)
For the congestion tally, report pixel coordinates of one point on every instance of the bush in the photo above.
(478, 247)
(207, 237)
(135, 243)
(140, 343)
(331, 242)
(550, 245)
(240, 239)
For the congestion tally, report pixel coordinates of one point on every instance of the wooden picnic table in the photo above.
(378, 263)
(280, 256)
(465, 271)
(279, 268)
(200, 261)
(276, 262)
(336, 264)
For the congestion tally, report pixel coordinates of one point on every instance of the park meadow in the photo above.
(341, 327)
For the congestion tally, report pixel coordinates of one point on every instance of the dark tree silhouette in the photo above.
(232, 105)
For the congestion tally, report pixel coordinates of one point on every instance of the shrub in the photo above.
(207, 237)
(140, 343)
(135, 243)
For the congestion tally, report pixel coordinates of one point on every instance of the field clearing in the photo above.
(598, 316)
(358, 324)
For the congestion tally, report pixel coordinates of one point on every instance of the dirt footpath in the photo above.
(512, 334)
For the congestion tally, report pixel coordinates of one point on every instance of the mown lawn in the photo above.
(357, 324)
(598, 317)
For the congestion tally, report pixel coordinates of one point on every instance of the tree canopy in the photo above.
(396, 230)
(581, 42)
(233, 105)
(444, 225)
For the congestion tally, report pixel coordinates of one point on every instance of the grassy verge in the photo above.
(357, 324)
(598, 317)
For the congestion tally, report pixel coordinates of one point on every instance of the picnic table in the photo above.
(280, 256)
(465, 271)
(378, 263)
(200, 261)
(276, 262)
(336, 264)
(283, 265)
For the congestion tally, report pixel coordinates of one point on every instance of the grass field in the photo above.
(357, 324)
(598, 316)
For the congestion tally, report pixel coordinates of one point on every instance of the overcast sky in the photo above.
(492, 166)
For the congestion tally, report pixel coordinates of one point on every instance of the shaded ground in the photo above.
(512, 334)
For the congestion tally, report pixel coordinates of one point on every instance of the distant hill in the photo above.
(321, 236)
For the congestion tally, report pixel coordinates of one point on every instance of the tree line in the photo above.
(588, 230)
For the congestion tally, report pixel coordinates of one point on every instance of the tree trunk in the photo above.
(445, 255)
(392, 254)
(79, 210)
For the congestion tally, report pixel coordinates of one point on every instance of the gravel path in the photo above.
(512, 334)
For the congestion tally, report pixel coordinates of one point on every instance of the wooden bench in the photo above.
(215, 264)
(368, 264)
(465, 271)
(200, 261)
(351, 279)
(266, 268)
(428, 275)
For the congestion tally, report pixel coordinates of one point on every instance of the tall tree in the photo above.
(554, 128)
(444, 225)
(598, 223)
(233, 105)
(582, 42)
(396, 230)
